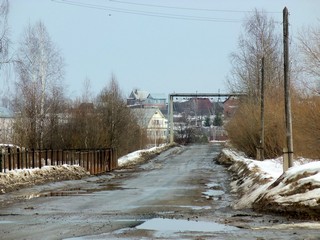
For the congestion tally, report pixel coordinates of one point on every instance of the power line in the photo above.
(185, 8)
(146, 13)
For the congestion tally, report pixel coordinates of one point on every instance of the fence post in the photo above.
(46, 156)
(27, 158)
(58, 157)
(4, 158)
(52, 153)
(73, 157)
(104, 162)
(1, 160)
(39, 158)
(9, 159)
(13, 156)
(81, 165)
(87, 162)
(33, 157)
(110, 160)
(18, 158)
(114, 159)
(95, 161)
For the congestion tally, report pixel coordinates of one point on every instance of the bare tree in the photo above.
(309, 39)
(40, 70)
(119, 128)
(5, 58)
(113, 112)
(259, 39)
(87, 94)
(4, 31)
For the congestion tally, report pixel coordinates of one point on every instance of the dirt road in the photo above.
(182, 193)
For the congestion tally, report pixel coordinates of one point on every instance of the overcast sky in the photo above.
(161, 46)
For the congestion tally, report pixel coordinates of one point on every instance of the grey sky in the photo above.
(185, 49)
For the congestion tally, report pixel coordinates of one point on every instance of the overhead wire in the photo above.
(146, 13)
(185, 8)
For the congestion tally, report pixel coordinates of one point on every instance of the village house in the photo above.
(154, 122)
(143, 99)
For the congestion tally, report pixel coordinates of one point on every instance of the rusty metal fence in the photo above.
(95, 161)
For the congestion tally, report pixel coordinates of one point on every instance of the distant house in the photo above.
(6, 125)
(230, 106)
(195, 106)
(154, 122)
(143, 99)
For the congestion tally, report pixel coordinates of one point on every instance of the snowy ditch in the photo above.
(263, 186)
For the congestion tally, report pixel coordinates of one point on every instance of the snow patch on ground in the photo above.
(16, 179)
(264, 186)
(140, 155)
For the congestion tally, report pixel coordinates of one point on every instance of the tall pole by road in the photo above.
(262, 111)
(171, 118)
(288, 118)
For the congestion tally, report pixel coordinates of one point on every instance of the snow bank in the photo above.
(16, 179)
(251, 177)
(263, 185)
(141, 155)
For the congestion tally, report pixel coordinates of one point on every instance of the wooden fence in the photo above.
(94, 160)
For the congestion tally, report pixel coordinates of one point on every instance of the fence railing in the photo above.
(94, 160)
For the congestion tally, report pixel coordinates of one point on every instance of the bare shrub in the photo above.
(244, 128)
(306, 127)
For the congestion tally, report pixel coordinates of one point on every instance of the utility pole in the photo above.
(289, 143)
(171, 118)
(262, 111)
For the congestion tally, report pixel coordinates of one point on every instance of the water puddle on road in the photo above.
(213, 193)
(175, 225)
(6, 222)
(80, 191)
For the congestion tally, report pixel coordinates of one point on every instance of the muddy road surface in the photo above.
(180, 194)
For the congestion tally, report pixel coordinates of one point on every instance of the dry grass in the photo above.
(244, 128)
(306, 127)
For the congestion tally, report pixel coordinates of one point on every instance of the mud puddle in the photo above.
(81, 191)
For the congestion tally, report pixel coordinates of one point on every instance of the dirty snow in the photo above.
(136, 156)
(265, 183)
(20, 178)
(16, 179)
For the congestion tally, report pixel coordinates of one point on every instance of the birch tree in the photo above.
(40, 72)
(259, 39)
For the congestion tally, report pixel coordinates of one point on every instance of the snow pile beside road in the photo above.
(263, 185)
(251, 179)
(141, 155)
(16, 179)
